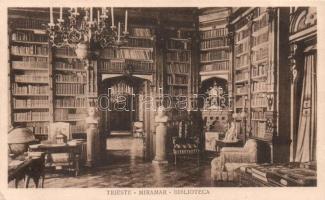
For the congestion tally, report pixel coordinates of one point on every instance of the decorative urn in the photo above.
(81, 50)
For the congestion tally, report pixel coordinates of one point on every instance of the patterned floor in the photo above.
(125, 168)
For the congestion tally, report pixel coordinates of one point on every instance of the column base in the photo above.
(159, 162)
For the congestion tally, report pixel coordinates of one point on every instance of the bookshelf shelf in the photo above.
(215, 48)
(212, 61)
(35, 31)
(30, 69)
(32, 82)
(31, 95)
(29, 55)
(29, 42)
(31, 108)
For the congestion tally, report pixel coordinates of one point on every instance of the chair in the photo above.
(184, 145)
(232, 158)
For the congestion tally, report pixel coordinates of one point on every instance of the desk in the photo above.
(28, 168)
(73, 155)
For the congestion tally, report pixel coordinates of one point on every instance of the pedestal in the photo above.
(161, 132)
(92, 144)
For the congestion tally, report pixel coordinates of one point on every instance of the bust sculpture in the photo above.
(161, 117)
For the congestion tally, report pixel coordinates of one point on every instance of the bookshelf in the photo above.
(178, 51)
(255, 70)
(214, 42)
(71, 89)
(137, 55)
(29, 75)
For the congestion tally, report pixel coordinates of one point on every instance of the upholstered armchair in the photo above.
(232, 158)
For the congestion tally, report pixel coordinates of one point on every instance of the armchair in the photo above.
(232, 158)
(185, 145)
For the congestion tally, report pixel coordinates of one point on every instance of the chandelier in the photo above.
(85, 26)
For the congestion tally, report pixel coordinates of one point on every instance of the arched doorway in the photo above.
(123, 111)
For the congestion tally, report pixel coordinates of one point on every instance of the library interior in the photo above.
(162, 97)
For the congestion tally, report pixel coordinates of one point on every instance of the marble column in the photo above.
(161, 133)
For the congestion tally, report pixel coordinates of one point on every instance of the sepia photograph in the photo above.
(165, 100)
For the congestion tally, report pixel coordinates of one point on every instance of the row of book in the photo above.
(140, 32)
(34, 59)
(136, 42)
(29, 89)
(31, 116)
(214, 55)
(70, 89)
(31, 78)
(258, 129)
(214, 33)
(28, 23)
(242, 76)
(72, 65)
(77, 128)
(178, 44)
(259, 86)
(178, 68)
(242, 47)
(65, 51)
(220, 42)
(64, 115)
(37, 102)
(28, 65)
(39, 128)
(241, 101)
(260, 54)
(138, 54)
(29, 50)
(241, 90)
(259, 70)
(120, 66)
(260, 39)
(70, 102)
(258, 114)
(28, 37)
(261, 23)
(73, 77)
(241, 61)
(217, 66)
(258, 101)
(242, 35)
(178, 56)
(180, 34)
(177, 79)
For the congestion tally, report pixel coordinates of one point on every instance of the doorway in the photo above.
(124, 120)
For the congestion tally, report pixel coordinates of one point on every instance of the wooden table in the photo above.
(26, 169)
(73, 151)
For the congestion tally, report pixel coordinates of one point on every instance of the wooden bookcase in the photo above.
(70, 89)
(178, 62)
(137, 56)
(256, 67)
(30, 75)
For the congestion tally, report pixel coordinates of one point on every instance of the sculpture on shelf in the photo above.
(92, 136)
(216, 98)
(161, 132)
